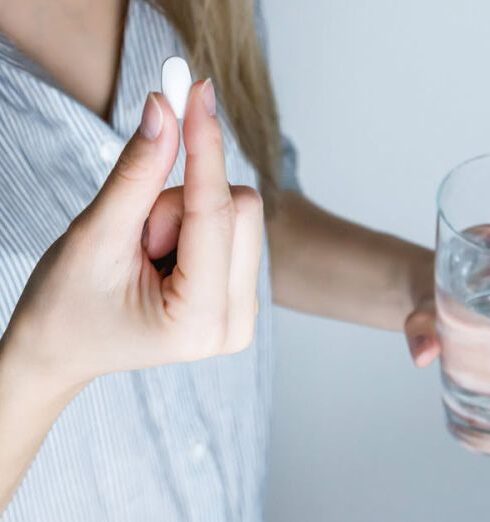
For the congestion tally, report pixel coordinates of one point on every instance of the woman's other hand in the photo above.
(420, 325)
(96, 304)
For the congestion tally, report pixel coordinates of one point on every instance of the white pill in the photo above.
(176, 82)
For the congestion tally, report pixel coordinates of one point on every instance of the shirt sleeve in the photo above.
(288, 178)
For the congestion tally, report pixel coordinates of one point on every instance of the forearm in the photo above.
(30, 402)
(328, 266)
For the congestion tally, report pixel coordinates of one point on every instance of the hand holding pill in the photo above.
(103, 264)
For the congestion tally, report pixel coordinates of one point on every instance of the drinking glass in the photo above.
(463, 301)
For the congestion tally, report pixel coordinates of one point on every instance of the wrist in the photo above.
(26, 364)
(30, 402)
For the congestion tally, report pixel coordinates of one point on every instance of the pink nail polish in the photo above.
(152, 119)
(209, 97)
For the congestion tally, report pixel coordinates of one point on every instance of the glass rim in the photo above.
(442, 214)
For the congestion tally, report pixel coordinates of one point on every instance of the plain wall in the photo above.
(381, 98)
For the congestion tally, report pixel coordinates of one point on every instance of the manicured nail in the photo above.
(209, 97)
(152, 119)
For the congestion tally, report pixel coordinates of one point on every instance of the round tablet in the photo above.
(176, 82)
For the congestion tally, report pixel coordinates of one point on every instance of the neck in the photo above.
(76, 41)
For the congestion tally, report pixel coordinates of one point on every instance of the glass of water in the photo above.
(463, 300)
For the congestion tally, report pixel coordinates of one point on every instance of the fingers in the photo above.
(246, 250)
(205, 242)
(131, 189)
(217, 230)
(422, 337)
(163, 230)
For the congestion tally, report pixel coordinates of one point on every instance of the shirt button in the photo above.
(110, 151)
(198, 451)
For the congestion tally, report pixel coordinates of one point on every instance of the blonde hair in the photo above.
(222, 41)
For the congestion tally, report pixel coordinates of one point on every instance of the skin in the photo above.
(324, 265)
(321, 264)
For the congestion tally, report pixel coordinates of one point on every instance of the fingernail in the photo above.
(209, 97)
(152, 119)
(425, 358)
(145, 235)
(418, 348)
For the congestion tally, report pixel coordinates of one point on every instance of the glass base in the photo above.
(467, 416)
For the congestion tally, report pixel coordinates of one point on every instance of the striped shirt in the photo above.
(177, 443)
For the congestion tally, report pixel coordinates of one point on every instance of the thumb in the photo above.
(133, 186)
(421, 335)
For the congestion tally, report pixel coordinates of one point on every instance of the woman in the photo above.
(185, 436)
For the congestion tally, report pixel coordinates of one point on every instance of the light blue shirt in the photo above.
(177, 443)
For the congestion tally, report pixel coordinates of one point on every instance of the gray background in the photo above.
(381, 99)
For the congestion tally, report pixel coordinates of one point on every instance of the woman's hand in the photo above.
(420, 325)
(420, 330)
(96, 304)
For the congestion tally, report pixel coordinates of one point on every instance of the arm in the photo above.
(324, 265)
(30, 402)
